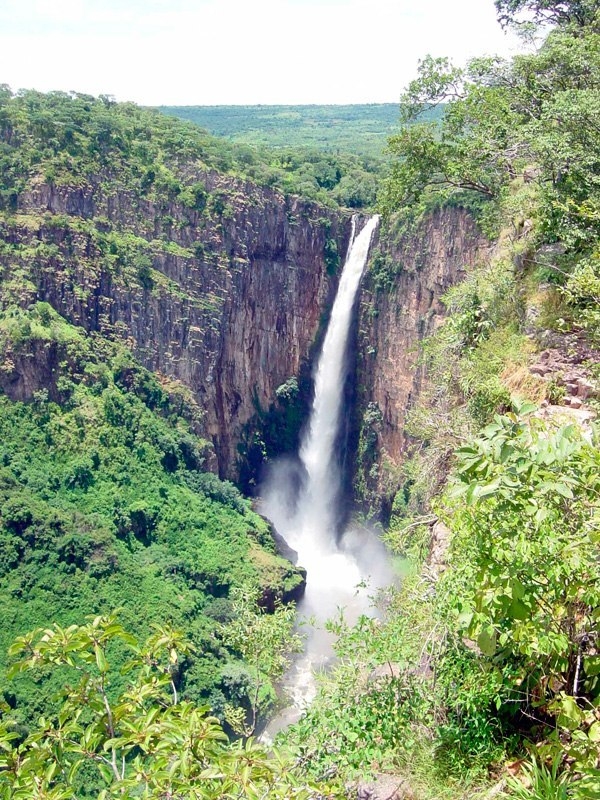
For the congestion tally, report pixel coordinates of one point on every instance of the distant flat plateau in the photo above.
(361, 129)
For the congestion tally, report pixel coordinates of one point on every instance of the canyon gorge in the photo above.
(299, 464)
(233, 303)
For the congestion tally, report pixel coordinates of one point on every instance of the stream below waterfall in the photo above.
(301, 498)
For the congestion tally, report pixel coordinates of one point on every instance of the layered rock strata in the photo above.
(228, 300)
(400, 306)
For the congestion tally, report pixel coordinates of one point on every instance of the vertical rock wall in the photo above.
(413, 270)
(228, 300)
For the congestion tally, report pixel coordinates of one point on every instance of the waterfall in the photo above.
(307, 518)
(317, 506)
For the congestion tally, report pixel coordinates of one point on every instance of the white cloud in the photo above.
(233, 51)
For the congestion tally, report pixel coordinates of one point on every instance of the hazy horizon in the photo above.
(227, 52)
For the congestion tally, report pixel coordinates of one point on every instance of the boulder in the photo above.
(383, 787)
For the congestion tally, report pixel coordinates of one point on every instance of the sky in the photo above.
(221, 52)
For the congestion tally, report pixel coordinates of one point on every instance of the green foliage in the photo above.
(265, 643)
(104, 504)
(500, 651)
(332, 154)
(534, 118)
(407, 535)
(544, 783)
(340, 179)
(464, 152)
(523, 579)
(361, 721)
(466, 360)
(195, 196)
(351, 129)
(59, 135)
(331, 256)
(367, 448)
(288, 390)
(582, 292)
(580, 12)
(326, 153)
(132, 739)
(276, 430)
(71, 134)
(383, 271)
(512, 636)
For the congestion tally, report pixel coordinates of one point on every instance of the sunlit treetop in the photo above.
(515, 12)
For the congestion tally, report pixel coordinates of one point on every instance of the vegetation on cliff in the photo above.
(59, 135)
(533, 119)
(148, 233)
(322, 152)
(489, 655)
(105, 504)
(325, 152)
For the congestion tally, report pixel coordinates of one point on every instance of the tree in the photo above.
(578, 12)
(265, 642)
(475, 147)
(110, 740)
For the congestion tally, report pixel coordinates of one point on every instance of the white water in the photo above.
(317, 508)
(307, 519)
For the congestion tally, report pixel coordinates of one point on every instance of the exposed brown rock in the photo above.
(565, 363)
(539, 369)
(440, 542)
(393, 323)
(232, 313)
(585, 388)
(24, 372)
(555, 415)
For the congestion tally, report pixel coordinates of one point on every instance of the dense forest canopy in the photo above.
(358, 129)
(65, 134)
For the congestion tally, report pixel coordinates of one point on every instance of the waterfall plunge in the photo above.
(307, 518)
(317, 504)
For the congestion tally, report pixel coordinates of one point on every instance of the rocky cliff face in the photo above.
(226, 297)
(400, 305)
(229, 298)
